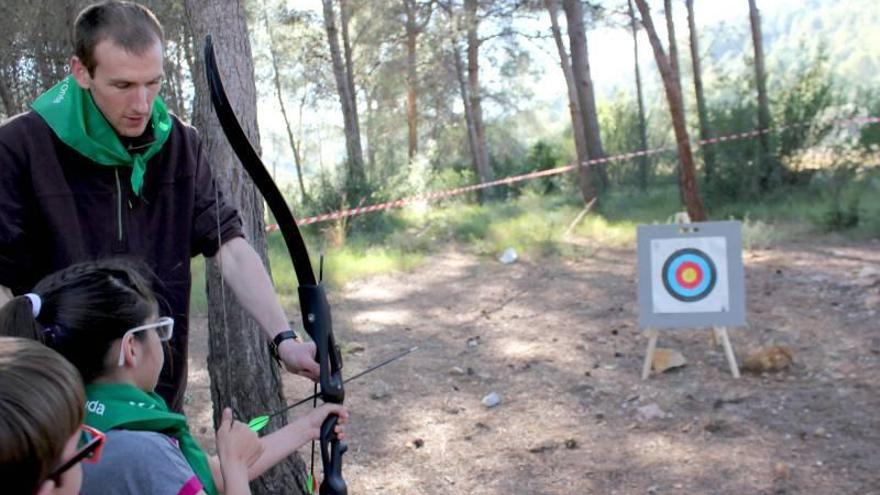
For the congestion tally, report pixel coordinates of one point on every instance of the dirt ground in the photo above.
(558, 341)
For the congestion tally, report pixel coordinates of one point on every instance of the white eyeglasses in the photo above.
(164, 327)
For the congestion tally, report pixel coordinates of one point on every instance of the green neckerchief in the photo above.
(72, 114)
(119, 406)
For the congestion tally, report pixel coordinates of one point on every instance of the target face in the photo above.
(689, 275)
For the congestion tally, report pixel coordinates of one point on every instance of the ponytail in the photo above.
(17, 320)
(82, 310)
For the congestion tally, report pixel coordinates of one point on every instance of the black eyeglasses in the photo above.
(91, 442)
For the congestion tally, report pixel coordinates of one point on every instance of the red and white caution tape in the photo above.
(437, 195)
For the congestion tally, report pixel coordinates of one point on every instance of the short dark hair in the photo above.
(42, 404)
(127, 24)
(85, 308)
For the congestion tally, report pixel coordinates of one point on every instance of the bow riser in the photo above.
(319, 326)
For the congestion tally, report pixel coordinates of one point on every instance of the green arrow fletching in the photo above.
(258, 423)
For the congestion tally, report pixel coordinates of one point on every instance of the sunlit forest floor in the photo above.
(555, 335)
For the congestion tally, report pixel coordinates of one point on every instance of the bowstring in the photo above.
(222, 291)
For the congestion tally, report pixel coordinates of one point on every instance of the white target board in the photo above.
(691, 275)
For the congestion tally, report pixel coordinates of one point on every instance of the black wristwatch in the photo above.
(281, 337)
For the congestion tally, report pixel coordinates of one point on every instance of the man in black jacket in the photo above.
(100, 168)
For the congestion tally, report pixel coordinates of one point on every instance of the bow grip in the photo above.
(318, 324)
(331, 456)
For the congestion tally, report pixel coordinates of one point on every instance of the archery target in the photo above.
(690, 275)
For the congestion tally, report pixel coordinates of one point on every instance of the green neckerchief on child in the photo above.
(119, 406)
(72, 114)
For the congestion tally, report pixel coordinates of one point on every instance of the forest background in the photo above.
(442, 94)
(360, 102)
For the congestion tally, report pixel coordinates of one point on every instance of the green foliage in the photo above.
(869, 135)
(804, 99)
(631, 205)
(543, 155)
(532, 224)
(841, 195)
(736, 170)
(355, 262)
(619, 121)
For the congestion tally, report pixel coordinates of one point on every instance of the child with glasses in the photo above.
(42, 438)
(104, 319)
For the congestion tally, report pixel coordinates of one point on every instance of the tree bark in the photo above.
(676, 72)
(689, 187)
(468, 116)
(584, 173)
(9, 104)
(172, 83)
(372, 141)
(276, 79)
(345, 88)
(769, 171)
(412, 35)
(345, 22)
(243, 375)
(702, 112)
(580, 64)
(475, 94)
(673, 44)
(644, 160)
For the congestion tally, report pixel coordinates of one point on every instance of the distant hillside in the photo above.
(848, 30)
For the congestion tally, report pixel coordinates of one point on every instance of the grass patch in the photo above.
(341, 265)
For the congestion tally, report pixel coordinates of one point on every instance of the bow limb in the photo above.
(313, 300)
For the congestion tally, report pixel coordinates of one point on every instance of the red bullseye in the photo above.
(689, 275)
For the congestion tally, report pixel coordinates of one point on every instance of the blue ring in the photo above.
(700, 259)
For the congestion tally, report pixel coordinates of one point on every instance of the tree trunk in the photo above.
(703, 114)
(9, 105)
(345, 22)
(412, 34)
(371, 132)
(673, 44)
(580, 64)
(644, 160)
(689, 186)
(190, 45)
(676, 73)
(170, 92)
(243, 375)
(345, 88)
(475, 94)
(770, 174)
(584, 173)
(468, 116)
(181, 73)
(276, 79)
(298, 154)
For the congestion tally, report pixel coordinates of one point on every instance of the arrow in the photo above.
(260, 422)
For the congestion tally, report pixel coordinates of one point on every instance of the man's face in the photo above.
(124, 85)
